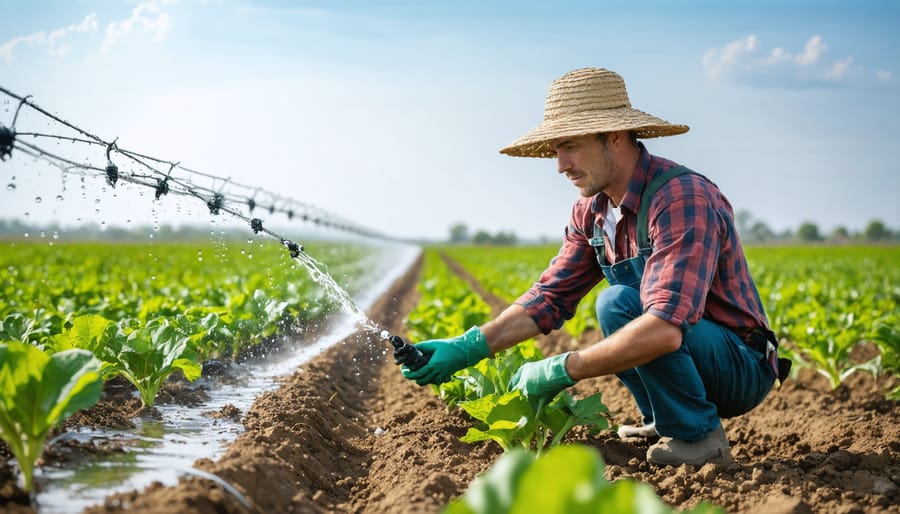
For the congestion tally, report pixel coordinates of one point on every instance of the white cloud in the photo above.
(746, 61)
(839, 69)
(811, 52)
(54, 41)
(147, 16)
(883, 75)
(718, 59)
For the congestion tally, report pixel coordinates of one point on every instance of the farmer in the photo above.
(683, 326)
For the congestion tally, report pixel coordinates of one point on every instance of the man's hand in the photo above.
(447, 356)
(544, 378)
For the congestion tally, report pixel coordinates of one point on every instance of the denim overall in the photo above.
(713, 375)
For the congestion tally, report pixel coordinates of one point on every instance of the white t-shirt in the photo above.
(613, 215)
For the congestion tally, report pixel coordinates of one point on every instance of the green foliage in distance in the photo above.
(510, 272)
(824, 301)
(226, 298)
(38, 392)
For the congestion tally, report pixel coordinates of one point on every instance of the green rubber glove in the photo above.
(543, 378)
(447, 356)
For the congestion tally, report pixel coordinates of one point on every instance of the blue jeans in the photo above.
(712, 375)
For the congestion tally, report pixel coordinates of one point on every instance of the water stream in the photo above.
(164, 449)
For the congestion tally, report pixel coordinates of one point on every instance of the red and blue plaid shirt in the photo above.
(697, 268)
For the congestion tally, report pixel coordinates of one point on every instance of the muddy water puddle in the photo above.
(164, 448)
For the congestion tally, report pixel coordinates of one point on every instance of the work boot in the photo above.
(647, 431)
(675, 452)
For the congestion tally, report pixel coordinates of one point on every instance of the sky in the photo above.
(391, 114)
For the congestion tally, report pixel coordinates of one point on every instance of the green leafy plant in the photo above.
(887, 336)
(828, 344)
(512, 420)
(488, 376)
(38, 392)
(565, 480)
(18, 327)
(150, 354)
(145, 357)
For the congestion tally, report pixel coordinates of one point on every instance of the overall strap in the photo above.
(596, 241)
(643, 233)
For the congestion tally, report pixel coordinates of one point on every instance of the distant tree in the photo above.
(482, 237)
(761, 232)
(743, 218)
(809, 232)
(876, 231)
(459, 233)
(505, 238)
(840, 234)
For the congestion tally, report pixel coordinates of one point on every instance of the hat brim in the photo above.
(536, 143)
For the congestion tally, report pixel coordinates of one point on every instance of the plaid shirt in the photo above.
(697, 268)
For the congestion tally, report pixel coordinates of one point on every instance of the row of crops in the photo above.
(73, 316)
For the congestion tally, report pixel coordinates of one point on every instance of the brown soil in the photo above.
(348, 434)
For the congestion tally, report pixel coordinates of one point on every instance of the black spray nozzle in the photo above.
(407, 355)
(292, 247)
(7, 138)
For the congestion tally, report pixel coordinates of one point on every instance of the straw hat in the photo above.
(588, 101)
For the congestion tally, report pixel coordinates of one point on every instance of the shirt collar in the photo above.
(631, 199)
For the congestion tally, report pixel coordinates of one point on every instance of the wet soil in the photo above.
(346, 433)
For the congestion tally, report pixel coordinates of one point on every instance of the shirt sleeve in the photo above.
(569, 277)
(680, 271)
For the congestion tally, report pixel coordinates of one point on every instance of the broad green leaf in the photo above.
(38, 392)
(566, 480)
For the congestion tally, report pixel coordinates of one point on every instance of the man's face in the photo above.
(586, 161)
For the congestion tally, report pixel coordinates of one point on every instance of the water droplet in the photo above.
(96, 200)
(249, 255)
(38, 199)
(59, 198)
(10, 187)
(55, 235)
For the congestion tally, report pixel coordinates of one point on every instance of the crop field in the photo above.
(92, 334)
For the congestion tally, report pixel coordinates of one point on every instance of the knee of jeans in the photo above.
(615, 305)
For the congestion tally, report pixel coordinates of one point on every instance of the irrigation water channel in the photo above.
(164, 449)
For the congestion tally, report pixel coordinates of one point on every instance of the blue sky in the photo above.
(391, 114)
